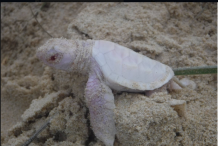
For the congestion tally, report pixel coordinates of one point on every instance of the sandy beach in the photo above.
(176, 34)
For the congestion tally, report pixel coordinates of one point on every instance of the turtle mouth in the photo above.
(39, 54)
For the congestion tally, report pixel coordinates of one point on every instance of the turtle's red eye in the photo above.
(53, 58)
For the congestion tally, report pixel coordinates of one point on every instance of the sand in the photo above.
(176, 34)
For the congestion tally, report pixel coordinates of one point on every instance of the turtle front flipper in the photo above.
(100, 101)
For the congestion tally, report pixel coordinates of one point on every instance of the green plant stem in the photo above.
(36, 133)
(196, 70)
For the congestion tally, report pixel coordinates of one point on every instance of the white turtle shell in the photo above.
(124, 67)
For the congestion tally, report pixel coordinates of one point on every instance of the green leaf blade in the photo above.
(196, 70)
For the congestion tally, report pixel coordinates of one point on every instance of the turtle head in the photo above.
(58, 53)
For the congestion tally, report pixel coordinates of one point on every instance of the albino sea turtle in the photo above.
(109, 66)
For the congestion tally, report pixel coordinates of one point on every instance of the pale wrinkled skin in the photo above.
(100, 101)
(83, 57)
